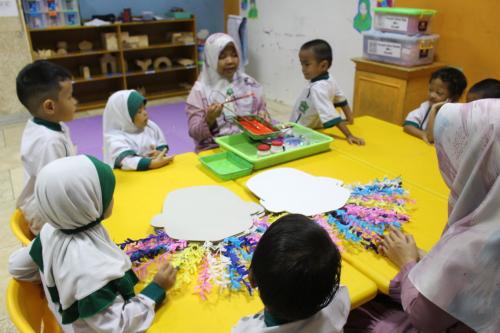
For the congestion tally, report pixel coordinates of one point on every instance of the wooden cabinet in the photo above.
(123, 45)
(389, 92)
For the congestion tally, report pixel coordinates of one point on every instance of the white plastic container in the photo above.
(399, 49)
(408, 21)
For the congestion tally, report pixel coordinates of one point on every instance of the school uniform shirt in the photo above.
(42, 143)
(126, 146)
(330, 319)
(419, 117)
(315, 107)
(88, 280)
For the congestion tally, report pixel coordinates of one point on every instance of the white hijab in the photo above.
(73, 193)
(210, 78)
(461, 274)
(121, 134)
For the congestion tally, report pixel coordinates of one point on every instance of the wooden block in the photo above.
(143, 40)
(185, 37)
(110, 41)
(144, 64)
(85, 45)
(62, 45)
(108, 64)
(85, 72)
(162, 62)
(61, 51)
(185, 62)
(43, 54)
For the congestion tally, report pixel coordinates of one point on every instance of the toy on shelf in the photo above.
(144, 64)
(85, 72)
(108, 64)
(127, 15)
(186, 62)
(162, 62)
(85, 46)
(178, 13)
(134, 42)
(43, 54)
(181, 37)
(62, 48)
(110, 41)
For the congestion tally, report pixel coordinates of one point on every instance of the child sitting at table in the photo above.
(296, 268)
(221, 79)
(88, 280)
(131, 140)
(446, 85)
(487, 88)
(46, 90)
(315, 107)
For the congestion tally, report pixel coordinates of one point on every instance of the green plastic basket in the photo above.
(227, 165)
(245, 148)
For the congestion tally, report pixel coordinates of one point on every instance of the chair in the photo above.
(20, 228)
(28, 310)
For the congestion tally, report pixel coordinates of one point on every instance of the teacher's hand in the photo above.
(399, 248)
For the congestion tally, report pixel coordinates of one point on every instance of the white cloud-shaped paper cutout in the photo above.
(205, 213)
(294, 191)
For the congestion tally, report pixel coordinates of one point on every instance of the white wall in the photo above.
(283, 26)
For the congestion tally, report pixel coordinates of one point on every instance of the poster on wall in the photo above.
(8, 8)
(363, 19)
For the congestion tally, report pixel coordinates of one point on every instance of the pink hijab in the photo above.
(461, 274)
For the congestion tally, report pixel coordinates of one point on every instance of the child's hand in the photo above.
(213, 112)
(161, 160)
(166, 275)
(154, 152)
(355, 140)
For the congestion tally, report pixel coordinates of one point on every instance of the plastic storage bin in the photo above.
(409, 21)
(399, 49)
(227, 165)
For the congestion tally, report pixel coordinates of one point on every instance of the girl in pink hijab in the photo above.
(221, 79)
(456, 286)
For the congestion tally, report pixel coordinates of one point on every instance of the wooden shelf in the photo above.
(94, 92)
(152, 72)
(158, 46)
(78, 54)
(98, 78)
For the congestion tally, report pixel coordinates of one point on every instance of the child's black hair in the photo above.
(321, 50)
(453, 78)
(487, 88)
(296, 267)
(39, 81)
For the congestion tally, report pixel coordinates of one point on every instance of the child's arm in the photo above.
(201, 116)
(416, 132)
(348, 114)
(432, 117)
(136, 314)
(350, 138)
(22, 267)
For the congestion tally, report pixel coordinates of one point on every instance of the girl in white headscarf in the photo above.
(131, 140)
(456, 286)
(221, 79)
(87, 279)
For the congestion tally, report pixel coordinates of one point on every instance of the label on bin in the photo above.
(398, 23)
(386, 49)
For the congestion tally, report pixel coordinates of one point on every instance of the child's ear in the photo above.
(324, 65)
(49, 107)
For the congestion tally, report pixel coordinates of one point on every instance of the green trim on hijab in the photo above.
(134, 103)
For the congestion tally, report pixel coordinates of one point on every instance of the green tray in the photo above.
(246, 148)
(227, 165)
(405, 11)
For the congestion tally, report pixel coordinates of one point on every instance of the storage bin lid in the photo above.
(405, 11)
(398, 37)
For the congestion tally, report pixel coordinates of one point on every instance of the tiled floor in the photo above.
(11, 184)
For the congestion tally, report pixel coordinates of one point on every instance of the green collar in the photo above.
(270, 321)
(50, 125)
(324, 76)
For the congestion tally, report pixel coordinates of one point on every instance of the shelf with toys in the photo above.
(155, 56)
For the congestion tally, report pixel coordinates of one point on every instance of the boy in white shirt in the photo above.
(46, 90)
(296, 267)
(315, 107)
